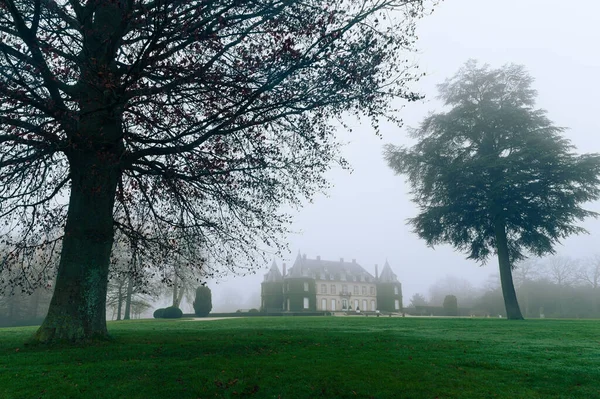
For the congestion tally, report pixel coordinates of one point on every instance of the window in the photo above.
(396, 290)
(333, 289)
(356, 290)
(323, 289)
(305, 286)
(372, 290)
(344, 304)
(364, 304)
(344, 289)
(364, 290)
(305, 303)
(397, 304)
(356, 304)
(373, 306)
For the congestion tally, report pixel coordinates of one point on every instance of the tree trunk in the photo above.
(78, 307)
(508, 288)
(119, 301)
(128, 298)
(175, 304)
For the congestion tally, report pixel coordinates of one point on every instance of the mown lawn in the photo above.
(313, 357)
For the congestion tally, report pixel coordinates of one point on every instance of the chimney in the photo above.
(284, 270)
(376, 277)
(353, 260)
(342, 260)
(318, 257)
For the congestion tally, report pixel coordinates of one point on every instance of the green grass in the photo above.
(313, 357)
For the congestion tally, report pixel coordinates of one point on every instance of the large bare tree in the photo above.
(208, 115)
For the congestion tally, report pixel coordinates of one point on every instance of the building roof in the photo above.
(387, 275)
(273, 275)
(329, 270)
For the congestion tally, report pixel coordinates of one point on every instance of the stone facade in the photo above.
(322, 285)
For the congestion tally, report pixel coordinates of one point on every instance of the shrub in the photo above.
(203, 301)
(450, 305)
(159, 313)
(172, 312)
(253, 310)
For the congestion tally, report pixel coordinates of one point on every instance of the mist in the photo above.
(363, 216)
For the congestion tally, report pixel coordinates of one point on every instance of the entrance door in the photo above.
(355, 304)
(333, 304)
(323, 304)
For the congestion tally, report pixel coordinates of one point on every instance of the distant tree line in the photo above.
(554, 287)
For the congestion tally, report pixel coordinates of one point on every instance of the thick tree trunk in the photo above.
(175, 304)
(128, 299)
(78, 307)
(508, 288)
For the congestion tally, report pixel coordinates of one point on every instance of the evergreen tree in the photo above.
(493, 175)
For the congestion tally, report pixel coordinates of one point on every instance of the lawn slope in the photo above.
(313, 357)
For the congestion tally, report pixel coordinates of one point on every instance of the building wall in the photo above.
(388, 294)
(272, 296)
(334, 288)
(295, 290)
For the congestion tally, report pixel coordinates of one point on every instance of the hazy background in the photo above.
(363, 217)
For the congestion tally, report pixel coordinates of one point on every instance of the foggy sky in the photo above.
(364, 215)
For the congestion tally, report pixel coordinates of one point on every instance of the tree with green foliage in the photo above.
(203, 301)
(493, 175)
(208, 117)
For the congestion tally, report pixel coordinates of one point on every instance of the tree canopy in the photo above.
(492, 174)
(203, 116)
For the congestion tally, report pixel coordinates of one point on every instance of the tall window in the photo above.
(397, 304)
(373, 305)
(333, 289)
(344, 304)
(305, 303)
(356, 290)
(364, 290)
(344, 289)
(305, 286)
(372, 290)
(396, 290)
(323, 289)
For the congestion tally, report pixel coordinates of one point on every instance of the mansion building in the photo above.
(323, 285)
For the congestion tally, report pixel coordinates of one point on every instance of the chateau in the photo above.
(323, 285)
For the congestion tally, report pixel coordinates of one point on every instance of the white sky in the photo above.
(363, 217)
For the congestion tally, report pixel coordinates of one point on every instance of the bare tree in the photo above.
(561, 270)
(526, 270)
(208, 115)
(589, 272)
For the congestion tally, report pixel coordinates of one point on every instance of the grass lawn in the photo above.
(313, 357)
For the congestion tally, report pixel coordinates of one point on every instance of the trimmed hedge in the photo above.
(203, 301)
(159, 313)
(172, 313)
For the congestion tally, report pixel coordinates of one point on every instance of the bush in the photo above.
(172, 313)
(159, 313)
(203, 301)
(253, 310)
(450, 305)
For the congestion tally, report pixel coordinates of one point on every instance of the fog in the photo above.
(363, 216)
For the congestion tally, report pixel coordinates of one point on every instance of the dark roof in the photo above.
(274, 274)
(387, 275)
(328, 269)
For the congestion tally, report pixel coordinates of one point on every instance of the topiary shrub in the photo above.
(203, 301)
(172, 313)
(253, 310)
(450, 305)
(159, 313)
